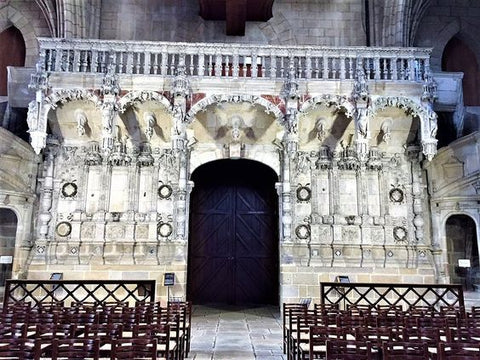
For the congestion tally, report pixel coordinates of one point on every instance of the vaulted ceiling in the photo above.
(236, 12)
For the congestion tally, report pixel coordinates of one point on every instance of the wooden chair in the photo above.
(458, 351)
(134, 348)
(18, 348)
(316, 346)
(468, 334)
(104, 333)
(290, 311)
(338, 349)
(9, 331)
(402, 350)
(301, 333)
(375, 335)
(185, 308)
(75, 349)
(166, 348)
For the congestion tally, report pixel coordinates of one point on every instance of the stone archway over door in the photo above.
(233, 244)
(462, 243)
(8, 231)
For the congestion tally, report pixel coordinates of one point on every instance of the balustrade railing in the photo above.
(233, 60)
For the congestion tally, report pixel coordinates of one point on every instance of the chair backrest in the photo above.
(459, 350)
(18, 348)
(55, 331)
(340, 349)
(76, 349)
(134, 348)
(402, 350)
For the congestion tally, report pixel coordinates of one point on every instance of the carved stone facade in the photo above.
(347, 145)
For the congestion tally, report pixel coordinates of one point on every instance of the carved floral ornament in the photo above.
(137, 97)
(339, 102)
(269, 107)
(63, 96)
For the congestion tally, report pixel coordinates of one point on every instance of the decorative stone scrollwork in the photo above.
(339, 102)
(93, 156)
(348, 160)
(145, 157)
(269, 107)
(140, 96)
(63, 96)
(374, 162)
(324, 161)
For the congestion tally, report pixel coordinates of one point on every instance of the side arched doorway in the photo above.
(233, 252)
(462, 244)
(8, 231)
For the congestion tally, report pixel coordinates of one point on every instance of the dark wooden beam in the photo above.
(236, 17)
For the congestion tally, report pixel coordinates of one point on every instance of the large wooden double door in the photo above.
(233, 243)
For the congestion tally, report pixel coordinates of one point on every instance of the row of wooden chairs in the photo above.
(115, 321)
(384, 324)
(83, 348)
(339, 349)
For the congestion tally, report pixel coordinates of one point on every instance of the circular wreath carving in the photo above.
(396, 195)
(304, 193)
(63, 229)
(400, 234)
(302, 232)
(164, 229)
(165, 191)
(69, 189)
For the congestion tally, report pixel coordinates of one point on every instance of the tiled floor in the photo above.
(220, 333)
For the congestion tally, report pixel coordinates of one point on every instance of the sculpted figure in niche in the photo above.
(320, 128)
(81, 119)
(362, 121)
(386, 131)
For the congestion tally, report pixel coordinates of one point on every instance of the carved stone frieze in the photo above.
(339, 102)
(135, 97)
(62, 96)
(269, 107)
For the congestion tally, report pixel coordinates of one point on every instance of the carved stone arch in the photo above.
(65, 95)
(406, 104)
(451, 213)
(205, 160)
(252, 99)
(141, 96)
(340, 102)
(12, 16)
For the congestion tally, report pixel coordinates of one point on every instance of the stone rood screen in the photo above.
(233, 60)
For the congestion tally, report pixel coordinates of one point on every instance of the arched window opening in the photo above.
(462, 244)
(12, 54)
(458, 57)
(8, 231)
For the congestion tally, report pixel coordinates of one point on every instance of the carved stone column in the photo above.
(290, 147)
(181, 91)
(110, 90)
(428, 119)
(413, 153)
(361, 99)
(37, 109)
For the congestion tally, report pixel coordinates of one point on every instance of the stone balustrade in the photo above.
(233, 60)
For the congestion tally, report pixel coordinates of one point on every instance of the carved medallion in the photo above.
(396, 195)
(164, 229)
(165, 191)
(400, 234)
(304, 193)
(63, 229)
(69, 189)
(302, 232)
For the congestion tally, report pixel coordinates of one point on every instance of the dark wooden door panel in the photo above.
(233, 246)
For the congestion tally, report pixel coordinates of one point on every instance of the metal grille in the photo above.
(68, 291)
(406, 295)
